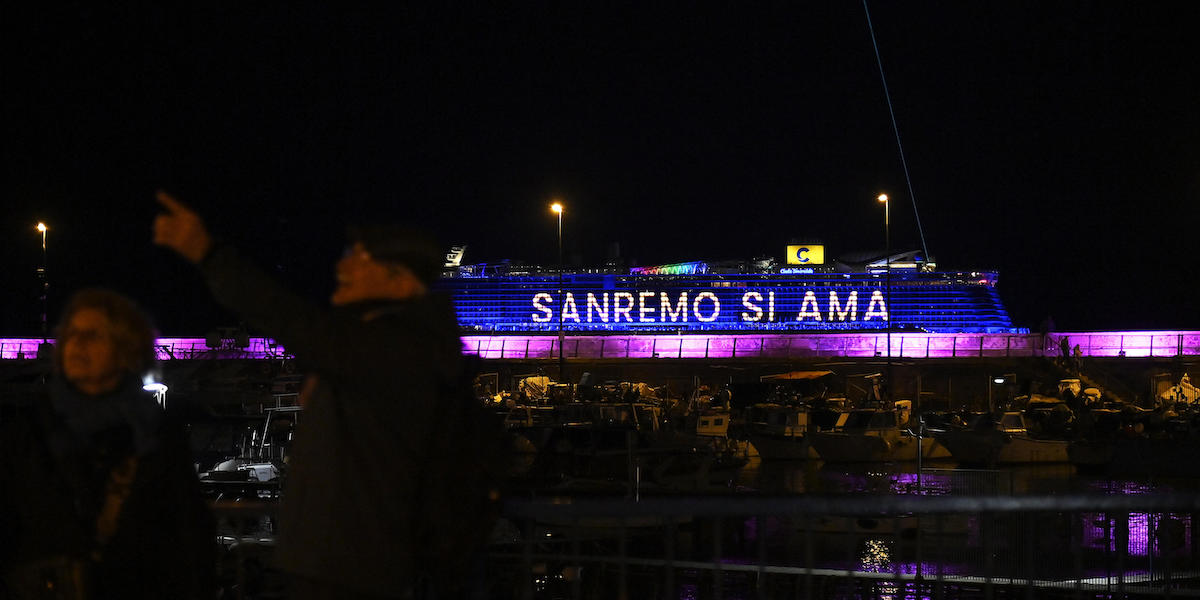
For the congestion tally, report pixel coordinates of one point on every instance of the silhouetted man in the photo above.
(359, 515)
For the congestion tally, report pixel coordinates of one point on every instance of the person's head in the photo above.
(386, 263)
(103, 338)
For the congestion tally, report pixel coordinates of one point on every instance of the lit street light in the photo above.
(557, 208)
(887, 285)
(42, 229)
(887, 244)
(158, 389)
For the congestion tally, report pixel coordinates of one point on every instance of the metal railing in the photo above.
(833, 345)
(853, 547)
(899, 546)
(1157, 344)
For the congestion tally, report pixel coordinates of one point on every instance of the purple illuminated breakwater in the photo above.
(165, 348)
(853, 345)
(1159, 344)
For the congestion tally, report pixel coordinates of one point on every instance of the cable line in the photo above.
(896, 129)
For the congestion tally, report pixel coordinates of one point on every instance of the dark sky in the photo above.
(1056, 142)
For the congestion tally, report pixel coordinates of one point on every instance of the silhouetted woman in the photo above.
(99, 496)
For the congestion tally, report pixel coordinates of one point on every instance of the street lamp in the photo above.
(557, 208)
(887, 285)
(42, 229)
(158, 389)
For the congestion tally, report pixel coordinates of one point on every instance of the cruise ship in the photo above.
(802, 293)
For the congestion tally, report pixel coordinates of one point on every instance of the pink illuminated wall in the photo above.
(1162, 344)
(19, 347)
(853, 345)
(165, 348)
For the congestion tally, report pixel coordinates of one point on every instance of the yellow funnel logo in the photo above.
(806, 255)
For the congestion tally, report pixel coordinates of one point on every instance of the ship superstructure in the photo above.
(755, 295)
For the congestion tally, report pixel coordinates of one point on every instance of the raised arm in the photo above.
(322, 339)
(181, 229)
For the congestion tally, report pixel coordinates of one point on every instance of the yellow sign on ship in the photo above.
(806, 255)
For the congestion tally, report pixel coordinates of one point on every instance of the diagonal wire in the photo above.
(896, 129)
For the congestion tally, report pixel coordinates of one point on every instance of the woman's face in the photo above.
(89, 356)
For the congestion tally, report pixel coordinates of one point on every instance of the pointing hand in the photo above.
(181, 229)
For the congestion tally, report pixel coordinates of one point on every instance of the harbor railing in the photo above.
(1146, 344)
(1055, 546)
(955, 545)
(618, 346)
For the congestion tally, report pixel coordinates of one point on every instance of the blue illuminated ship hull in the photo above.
(835, 302)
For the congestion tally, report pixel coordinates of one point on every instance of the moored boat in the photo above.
(1005, 441)
(779, 431)
(875, 435)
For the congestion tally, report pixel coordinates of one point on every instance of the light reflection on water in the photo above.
(689, 591)
(1145, 535)
(1164, 534)
(875, 557)
(815, 477)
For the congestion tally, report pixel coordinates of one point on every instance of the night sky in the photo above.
(1058, 143)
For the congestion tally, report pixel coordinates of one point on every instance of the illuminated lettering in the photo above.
(876, 298)
(603, 312)
(619, 310)
(835, 307)
(758, 312)
(643, 310)
(680, 311)
(658, 306)
(716, 307)
(569, 310)
(538, 299)
(809, 299)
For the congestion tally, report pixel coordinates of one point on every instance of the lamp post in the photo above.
(160, 392)
(557, 208)
(42, 229)
(887, 285)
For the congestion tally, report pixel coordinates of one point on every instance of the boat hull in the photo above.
(993, 447)
(782, 447)
(857, 447)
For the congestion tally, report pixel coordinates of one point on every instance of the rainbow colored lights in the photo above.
(687, 268)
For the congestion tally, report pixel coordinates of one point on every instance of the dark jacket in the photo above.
(353, 510)
(55, 485)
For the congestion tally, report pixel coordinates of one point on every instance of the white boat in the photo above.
(712, 423)
(876, 435)
(1006, 442)
(779, 431)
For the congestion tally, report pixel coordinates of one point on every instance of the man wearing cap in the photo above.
(353, 521)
